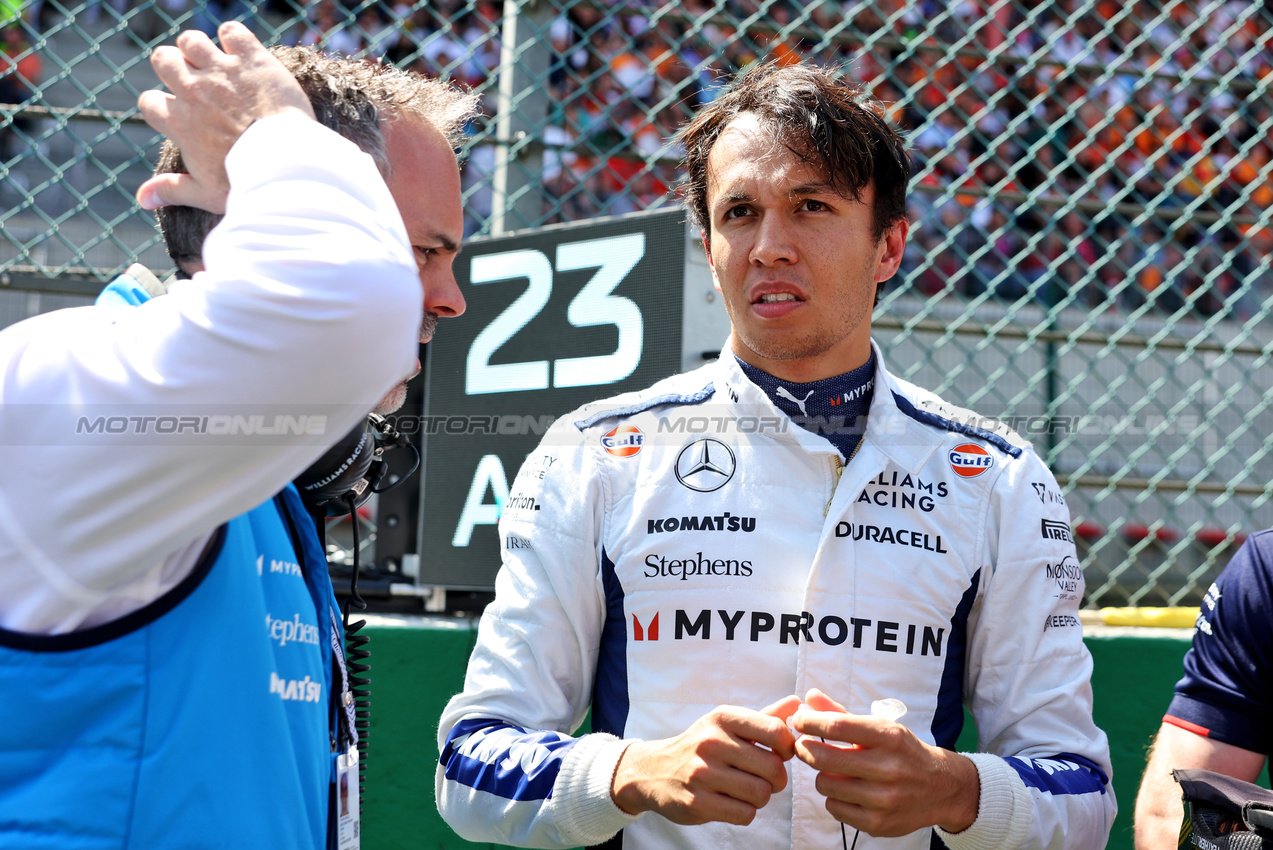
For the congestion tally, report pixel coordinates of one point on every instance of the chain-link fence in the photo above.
(1090, 255)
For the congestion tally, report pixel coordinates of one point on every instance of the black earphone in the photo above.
(353, 467)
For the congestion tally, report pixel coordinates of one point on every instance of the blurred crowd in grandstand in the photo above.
(1043, 134)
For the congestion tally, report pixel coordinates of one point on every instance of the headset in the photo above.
(352, 469)
(340, 482)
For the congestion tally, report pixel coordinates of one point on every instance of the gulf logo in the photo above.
(623, 441)
(970, 460)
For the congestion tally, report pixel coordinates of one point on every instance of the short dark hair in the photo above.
(351, 97)
(828, 121)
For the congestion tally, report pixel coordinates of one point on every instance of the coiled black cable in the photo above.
(356, 655)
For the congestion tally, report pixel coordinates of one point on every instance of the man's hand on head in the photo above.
(725, 767)
(216, 94)
(881, 778)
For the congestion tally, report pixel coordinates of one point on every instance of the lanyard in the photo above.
(346, 696)
(342, 699)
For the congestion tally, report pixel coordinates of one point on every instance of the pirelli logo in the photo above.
(1053, 530)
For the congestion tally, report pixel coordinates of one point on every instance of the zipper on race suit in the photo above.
(839, 470)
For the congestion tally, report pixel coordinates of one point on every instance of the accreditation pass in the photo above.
(348, 818)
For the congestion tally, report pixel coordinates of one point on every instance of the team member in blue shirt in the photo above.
(168, 637)
(1219, 717)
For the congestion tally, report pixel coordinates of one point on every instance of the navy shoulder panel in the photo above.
(928, 418)
(645, 404)
(129, 623)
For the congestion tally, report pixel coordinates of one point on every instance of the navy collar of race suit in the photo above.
(834, 408)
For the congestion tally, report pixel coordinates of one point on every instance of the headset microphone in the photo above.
(353, 467)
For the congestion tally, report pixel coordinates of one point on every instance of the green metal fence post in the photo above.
(523, 112)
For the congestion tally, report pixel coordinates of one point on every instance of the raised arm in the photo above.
(127, 433)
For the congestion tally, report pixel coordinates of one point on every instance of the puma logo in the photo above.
(799, 402)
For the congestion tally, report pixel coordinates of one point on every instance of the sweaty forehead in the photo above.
(748, 154)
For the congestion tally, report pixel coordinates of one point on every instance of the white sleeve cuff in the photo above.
(1004, 810)
(586, 813)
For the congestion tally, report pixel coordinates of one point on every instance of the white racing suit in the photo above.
(688, 546)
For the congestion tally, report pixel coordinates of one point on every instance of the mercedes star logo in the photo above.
(705, 465)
